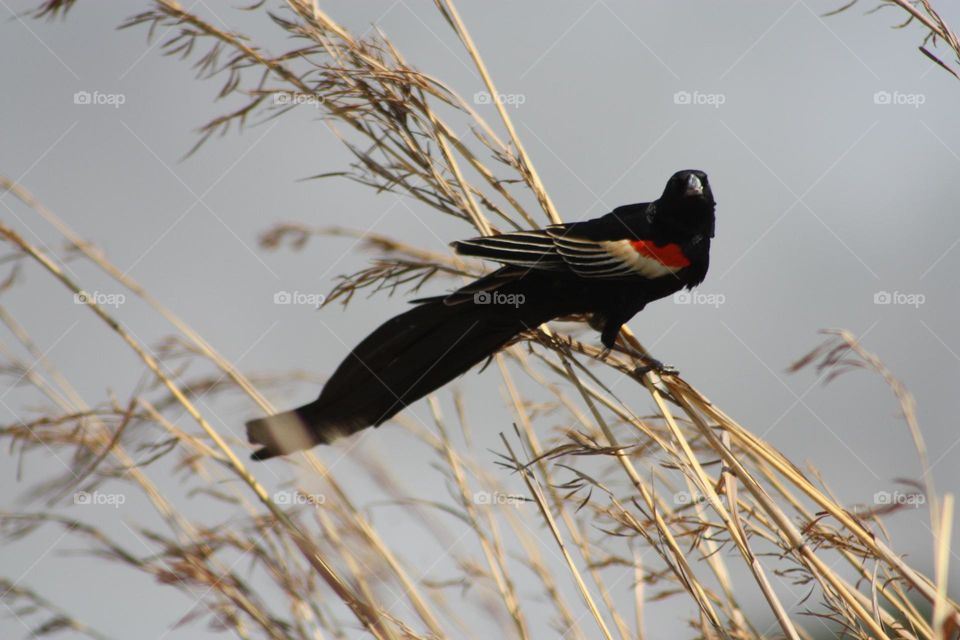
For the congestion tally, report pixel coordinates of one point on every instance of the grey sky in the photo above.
(833, 185)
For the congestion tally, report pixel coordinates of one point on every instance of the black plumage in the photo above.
(610, 267)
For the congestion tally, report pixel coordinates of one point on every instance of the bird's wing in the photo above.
(621, 258)
(562, 248)
(532, 249)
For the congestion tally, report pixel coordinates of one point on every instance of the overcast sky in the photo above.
(832, 145)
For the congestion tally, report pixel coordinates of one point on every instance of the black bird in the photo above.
(610, 267)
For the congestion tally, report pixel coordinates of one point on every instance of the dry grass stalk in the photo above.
(922, 11)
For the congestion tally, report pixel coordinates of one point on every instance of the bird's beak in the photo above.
(694, 186)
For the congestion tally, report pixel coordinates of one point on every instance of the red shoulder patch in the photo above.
(669, 255)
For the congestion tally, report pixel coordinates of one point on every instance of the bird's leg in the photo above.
(598, 321)
(609, 335)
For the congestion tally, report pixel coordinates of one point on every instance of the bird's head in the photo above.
(687, 202)
(691, 186)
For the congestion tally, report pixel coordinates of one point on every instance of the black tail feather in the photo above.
(280, 434)
(403, 360)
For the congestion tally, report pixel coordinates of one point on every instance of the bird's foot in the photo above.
(654, 365)
(650, 363)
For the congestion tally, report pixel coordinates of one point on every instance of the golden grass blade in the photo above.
(943, 626)
(534, 487)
